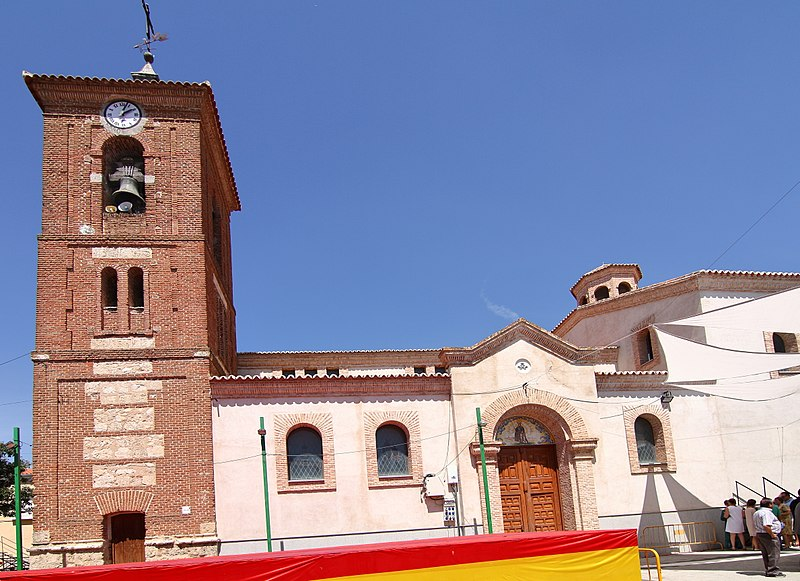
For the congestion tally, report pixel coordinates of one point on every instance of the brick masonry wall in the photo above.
(122, 413)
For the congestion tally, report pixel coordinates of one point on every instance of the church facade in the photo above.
(158, 421)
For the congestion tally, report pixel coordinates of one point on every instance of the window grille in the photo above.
(645, 441)
(304, 455)
(392, 450)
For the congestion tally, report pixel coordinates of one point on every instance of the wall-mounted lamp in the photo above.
(667, 397)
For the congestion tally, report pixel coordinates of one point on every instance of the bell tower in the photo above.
(134, 314)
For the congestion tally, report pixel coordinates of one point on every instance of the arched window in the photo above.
(601, 293)
(584, 299)
(123, 175)
(391, 444)
(136, 288)
(304, 454)
(108, 288)
(623, 288)
(647, 353)
(778, 343)
(645, 441)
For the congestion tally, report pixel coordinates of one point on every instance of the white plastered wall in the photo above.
(351, 508)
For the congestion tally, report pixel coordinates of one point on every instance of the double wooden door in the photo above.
(529, 488)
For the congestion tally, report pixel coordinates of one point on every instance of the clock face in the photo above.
(122, 114)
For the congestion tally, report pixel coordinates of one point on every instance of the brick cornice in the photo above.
(522, 329)
(279, 387)
(630, 381)
(323, 359)
(84, 355)
(703, 280)
(131, 240)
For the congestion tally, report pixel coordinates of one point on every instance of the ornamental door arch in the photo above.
(528, 476)
(560, 463)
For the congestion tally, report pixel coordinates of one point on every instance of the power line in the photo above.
(16, 402)
(15, 358)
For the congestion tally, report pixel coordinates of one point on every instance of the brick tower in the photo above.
(134, 314)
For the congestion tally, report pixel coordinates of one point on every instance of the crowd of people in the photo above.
(768, 527)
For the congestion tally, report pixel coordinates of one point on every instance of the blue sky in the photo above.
(416, 173)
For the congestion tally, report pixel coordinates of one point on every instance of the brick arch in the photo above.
(553, 411)
(409, 422)
(323, 424)
(659, 420)
(123, 501)
(574, 453)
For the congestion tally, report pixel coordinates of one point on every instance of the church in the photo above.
(149, 425)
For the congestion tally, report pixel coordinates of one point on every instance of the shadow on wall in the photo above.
(687, 506)
(686, 503)
(651, 509)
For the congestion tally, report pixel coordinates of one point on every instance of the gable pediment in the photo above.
(523, 330)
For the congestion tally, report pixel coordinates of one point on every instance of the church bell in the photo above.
(128, 197)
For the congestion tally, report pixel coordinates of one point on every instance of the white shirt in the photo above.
(765, 516)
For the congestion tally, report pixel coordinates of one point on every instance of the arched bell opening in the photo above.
(123, 176)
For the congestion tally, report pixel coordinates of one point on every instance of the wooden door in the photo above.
(529, 488)
(126, 536)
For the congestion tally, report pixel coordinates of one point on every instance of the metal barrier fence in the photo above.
(680, 535)
(241, 546)
(646, 556)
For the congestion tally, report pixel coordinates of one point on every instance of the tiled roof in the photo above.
(325, 377)
(603, 267)
(619, 373)
(336, 352)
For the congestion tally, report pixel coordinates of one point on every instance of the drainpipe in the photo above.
(17, 499)
(262, 433)
(481, 424)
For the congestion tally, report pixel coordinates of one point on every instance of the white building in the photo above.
(371, 446)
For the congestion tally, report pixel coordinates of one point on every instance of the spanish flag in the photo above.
(552, 556)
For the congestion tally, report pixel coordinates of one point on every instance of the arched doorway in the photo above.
(528, 474)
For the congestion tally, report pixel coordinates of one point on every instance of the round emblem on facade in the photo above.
(523, 365)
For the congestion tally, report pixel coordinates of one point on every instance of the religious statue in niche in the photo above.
(520, 431)
(519, 434)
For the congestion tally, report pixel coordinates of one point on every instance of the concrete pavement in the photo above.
(722, 566)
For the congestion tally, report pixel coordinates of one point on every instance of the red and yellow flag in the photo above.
(561, 556)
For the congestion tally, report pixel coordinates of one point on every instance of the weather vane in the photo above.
(151, 36)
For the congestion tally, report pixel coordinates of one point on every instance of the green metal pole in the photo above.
(262, 432)
(483, 466)
(17, 499)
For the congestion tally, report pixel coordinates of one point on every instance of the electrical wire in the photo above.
(15, 358)
(16, 402)
(361, 451)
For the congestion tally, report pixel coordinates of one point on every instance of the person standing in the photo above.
(734, 523)
(785, 516)
(749, 511)
(796, 515)
(768, 529)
